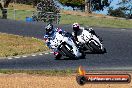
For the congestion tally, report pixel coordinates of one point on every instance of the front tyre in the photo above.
(67, 52)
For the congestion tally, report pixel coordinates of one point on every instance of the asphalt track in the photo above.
(118, 43)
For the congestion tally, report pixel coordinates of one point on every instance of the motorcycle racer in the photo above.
(49, 36)
(77, 29)
(87, 39)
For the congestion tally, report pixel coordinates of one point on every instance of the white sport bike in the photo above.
(89, 41)
(65, 45)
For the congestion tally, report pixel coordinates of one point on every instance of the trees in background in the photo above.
(42, 5)
(73, 3)
(124, 9)
(47, 6)
(100, 4)
(90, 5)
(116, 12)
(47, 11)
(28, 2)
(3, 6)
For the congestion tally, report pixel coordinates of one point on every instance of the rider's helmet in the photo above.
(76, 27)
(49, 29)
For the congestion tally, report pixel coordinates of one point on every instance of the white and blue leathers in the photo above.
(58, 34)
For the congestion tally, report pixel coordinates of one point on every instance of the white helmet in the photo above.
(76, 26)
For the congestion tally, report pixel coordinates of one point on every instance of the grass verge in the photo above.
(80, 17)
(13, 45)
(19, 14)
(40, 72)
(99, 22)
(84, 20)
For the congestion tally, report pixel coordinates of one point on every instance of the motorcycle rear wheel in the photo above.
(95, 48)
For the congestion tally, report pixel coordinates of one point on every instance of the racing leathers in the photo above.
(76, 33)
(49, 38)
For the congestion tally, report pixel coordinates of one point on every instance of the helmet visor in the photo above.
(48, 31)
(76, 28)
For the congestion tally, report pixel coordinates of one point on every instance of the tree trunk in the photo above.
(88, 6)
(0, 8)
(4, 13)
(33, 3)
(15, 1)
(3, 6)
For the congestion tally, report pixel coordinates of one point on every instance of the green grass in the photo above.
(70, 19)
(19, 14)
(13, 45)
(40, 72)
(99, 22)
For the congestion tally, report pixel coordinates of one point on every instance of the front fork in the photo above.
(74, 46)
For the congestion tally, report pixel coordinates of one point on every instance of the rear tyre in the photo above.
(95, 48)
(67, 52)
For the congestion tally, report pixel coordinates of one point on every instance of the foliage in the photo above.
(28, 2)
(126, 6)
(47, 12)
(2, 7)
(47, 6)
(95, 4)
(124, 9)
(116, 12)
(73, 2)
(99, 4)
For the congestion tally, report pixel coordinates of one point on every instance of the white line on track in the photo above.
(24, 56)
(10, 58)
(123, 29)
(16, 57)
(33, 55)
(51, 52)
(40, 54)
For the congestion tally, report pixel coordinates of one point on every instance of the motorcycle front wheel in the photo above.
(67, 52)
